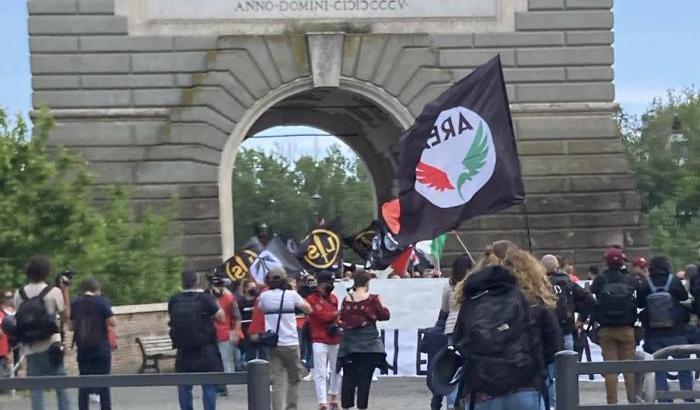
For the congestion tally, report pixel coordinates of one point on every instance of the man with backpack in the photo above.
(39, 306)
(616, 313)
(192, 314)
(664, 318)
(91, 314)
(571, 299)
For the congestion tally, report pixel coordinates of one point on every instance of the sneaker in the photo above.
(309, 376)
(95, 398)
(375, 378)
(323, 407)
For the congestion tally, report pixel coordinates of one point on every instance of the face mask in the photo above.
(330, 287)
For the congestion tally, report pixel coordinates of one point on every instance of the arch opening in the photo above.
(365, 118)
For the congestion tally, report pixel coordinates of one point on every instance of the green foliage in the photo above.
(270, 188)
(680, 242)
(47, 207)
(670, 190)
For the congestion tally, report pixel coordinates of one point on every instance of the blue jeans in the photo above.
(226, 351)
(685, 378)
(184, 396)
(524, 400)
(39, 364)
(551, 390)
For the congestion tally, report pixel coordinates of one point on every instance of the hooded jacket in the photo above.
(543, 320)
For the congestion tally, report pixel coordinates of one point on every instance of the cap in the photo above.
(614, 257)
(640, 262)
(325, 277)
(276, 273)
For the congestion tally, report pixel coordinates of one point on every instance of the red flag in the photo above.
(400, 264)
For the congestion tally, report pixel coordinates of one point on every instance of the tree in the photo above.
(270, 188)
(668, 179)
(47, 207)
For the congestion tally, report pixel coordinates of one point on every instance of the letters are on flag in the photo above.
(459, 160)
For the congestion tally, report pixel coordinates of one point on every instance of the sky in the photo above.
(657, 47)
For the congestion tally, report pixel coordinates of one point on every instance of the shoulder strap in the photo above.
(23, 295)
(279, 315)
(667, 286)
(45, 291)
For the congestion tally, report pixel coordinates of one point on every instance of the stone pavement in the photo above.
(388, 393)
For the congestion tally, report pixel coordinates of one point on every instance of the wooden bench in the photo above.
(154, 348)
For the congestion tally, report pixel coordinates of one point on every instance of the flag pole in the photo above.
(527, 226)
(464, 247)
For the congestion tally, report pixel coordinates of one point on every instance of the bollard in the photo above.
(258, 385)
(567, 380)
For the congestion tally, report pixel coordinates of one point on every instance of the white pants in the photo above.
(325, 356)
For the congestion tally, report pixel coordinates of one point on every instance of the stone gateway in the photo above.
(160, 94)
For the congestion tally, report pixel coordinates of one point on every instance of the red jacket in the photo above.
(324, 313)
(4, 339)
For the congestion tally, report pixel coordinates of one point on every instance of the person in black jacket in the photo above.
(616, 312)
(656, 336)
(578, 299)
(544, 331)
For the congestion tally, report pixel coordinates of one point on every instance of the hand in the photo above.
(64, 282)
(234, 337)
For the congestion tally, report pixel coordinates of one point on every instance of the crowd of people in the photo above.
(502, 319)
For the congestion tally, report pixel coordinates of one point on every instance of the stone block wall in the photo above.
(156, 111)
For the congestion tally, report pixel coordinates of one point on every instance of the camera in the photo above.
(217, 280)
(68, 275)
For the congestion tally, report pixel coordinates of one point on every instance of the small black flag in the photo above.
(321, 250)
(459, 160)
(238, 267)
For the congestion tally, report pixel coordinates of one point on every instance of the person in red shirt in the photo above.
(361, 349)
(5, 369)
(227, 331)
(325, 333)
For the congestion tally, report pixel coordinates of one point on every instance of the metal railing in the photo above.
(257, 379)
(568, 370)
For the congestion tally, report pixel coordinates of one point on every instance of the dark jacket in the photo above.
(543, 320)
(679, 294)
(694, 285)
(614, 275)
(581, 302)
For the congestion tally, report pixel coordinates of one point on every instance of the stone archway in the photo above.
(367, 118)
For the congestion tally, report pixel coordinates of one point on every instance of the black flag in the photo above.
(459, 160)
(321, 250)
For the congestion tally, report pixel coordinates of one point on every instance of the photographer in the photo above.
(228, 330)
(38, 307)
(323, 321)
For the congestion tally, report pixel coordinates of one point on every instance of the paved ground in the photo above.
(388, 393)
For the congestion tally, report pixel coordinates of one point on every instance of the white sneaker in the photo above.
(309, 376)
(375, 378)
(95, 398)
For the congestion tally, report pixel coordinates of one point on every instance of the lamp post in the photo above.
(678, 142)
(316, 199)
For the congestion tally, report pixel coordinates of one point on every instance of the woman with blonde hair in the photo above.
(507, 331)
(531, 277)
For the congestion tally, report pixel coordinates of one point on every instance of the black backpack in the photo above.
(189, 326)
(660, 305)
(616, 304)
(34, 322)
(89, 324)
(499, 347)
(564, 296)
